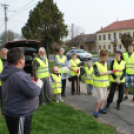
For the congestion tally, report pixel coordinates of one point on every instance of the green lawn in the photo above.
(59, 118)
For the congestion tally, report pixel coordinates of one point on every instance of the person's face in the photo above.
(61, 52)
(130, 49)
(3, 54)
(42, 54)
(56, 71)
(117, 56)
(74, 56)
(104, 58)
(89, 63)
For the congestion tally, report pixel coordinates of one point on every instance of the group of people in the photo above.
(19, 93)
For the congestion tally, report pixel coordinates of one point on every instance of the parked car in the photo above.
(29, 47)
(81, 54)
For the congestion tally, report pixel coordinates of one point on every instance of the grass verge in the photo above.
(59, 118)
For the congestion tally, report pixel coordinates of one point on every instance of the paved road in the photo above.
(123, 120)
(51, 58)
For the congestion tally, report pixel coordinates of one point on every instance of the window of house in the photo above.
(119, 46)
(81, 47)
(109, 36)
(109, 46)
(104, 37)
(99, 37)
(104, 47)
(120, 35)
(115, 36)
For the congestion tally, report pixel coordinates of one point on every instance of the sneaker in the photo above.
(96, 114)
(103, 111)
(125, 98)
(61, 100)
(118, 106)
(107, 106)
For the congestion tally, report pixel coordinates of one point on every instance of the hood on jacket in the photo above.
(8, 70)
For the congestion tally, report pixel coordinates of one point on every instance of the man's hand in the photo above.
(118, 81)
(109, 72)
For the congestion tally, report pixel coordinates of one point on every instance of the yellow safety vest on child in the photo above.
(103, 80)
(129, 63)
(56, 84)
(89, 73)
(74, 65)
(118, 74)
(61, 60)
(42, 71)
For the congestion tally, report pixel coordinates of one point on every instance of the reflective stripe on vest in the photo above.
(103, 80)
(56, 84)
(120, 67)
(89, 73)
(129, 63)
(42, 71)
(1, 68)
(60, 60)
(74, 65)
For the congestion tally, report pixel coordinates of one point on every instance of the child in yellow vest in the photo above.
(56, 84)
(89, 77)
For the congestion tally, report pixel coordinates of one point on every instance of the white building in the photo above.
(109, 37)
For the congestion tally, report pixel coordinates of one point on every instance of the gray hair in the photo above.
(3, 49)
(42, 49)
(62, 49)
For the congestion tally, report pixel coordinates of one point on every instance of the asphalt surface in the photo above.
(51, 58)
(123, 120)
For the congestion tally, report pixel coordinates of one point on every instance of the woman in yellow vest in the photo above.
(73, 65)
(117, 79)
(89, 77)
(60, 62)
(101, 82)
(56, 84)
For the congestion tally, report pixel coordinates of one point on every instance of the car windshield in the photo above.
(80, 51)
(28, 49)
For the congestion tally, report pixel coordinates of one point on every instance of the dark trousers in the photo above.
(0, 97)
(63, 86)
(13, 124)
(112, 92)
(75, 82)
(46, 89)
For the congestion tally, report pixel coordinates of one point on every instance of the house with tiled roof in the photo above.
(83, 41)
(109, 37)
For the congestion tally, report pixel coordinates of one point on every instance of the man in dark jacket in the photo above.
(19, 94)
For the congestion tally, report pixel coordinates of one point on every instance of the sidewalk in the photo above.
(123, 120)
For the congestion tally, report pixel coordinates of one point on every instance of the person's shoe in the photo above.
(103, 111)
(107, 106)
(125, 98)
(96, 114)
(118, 106)
(63, 95)
(43, 104)
(61, 100)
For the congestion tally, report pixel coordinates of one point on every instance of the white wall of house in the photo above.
(106, 44)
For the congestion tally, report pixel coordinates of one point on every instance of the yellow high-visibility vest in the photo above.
(74, 65)
(103, 80)
(61, 60)
(42, 71)
(89, 73)
(56, 84)
(119, 67)
(129, 63)
(1, 68)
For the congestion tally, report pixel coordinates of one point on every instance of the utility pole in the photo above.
(6, 19)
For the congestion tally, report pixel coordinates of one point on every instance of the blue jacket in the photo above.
(19, 93)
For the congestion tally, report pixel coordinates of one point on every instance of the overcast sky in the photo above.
(90, 15)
